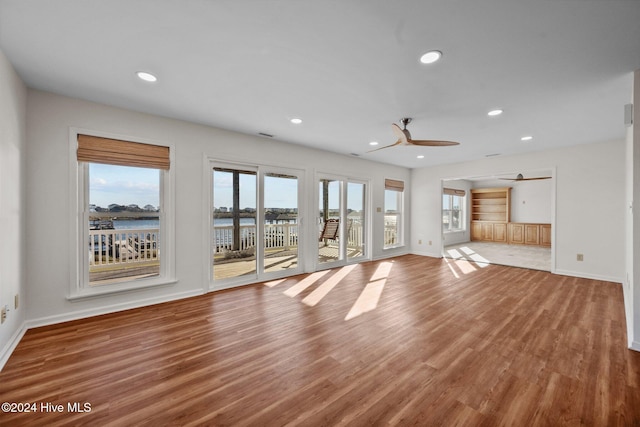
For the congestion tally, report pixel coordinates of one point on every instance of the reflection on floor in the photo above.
(482, 253)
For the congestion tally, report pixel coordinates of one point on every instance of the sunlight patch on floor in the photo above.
(469, 253)
(465, 266)
(370, 295)
(451, 268)
(304, 283)
(273, 283)
(368, 299)
(321, 291)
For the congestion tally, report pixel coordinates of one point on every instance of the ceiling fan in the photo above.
(520, 177)
(404, 138)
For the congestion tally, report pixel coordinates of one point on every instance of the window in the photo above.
(123, 191)
(393, 214)
(453, 210)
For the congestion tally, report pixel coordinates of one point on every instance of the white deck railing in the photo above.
(124, 246)
(130, 246)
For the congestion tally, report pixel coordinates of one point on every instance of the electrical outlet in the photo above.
(420, 241)
(580, 257)
(3, 315)
(16, 301)
(430, 243)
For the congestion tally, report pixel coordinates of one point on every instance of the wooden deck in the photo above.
(405, 341)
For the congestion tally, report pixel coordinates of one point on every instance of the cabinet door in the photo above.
(545, 234)
(516, 233)
(532, 234)
(487, 231)
(500, 232)
(476, 231)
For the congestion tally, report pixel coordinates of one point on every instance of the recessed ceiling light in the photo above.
(494, 113)
(296, 121)
(431, 57)
(420, 156)
(526, 138)
(373, 143)
(147, 77)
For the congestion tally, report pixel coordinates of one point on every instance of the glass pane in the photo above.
(456, 213)
(446, 212)
(391, 217)
(234, 223)
(329, 221)
(124, 223)
(280, 222)
(355, 220)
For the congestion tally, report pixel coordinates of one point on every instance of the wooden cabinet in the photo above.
(529, 234)
(545, 234)
(516, 233)
(500, 232)
(476, 231)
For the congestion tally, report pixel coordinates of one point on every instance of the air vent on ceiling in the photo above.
(265, 134)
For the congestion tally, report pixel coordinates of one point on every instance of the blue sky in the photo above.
(141, 186)
(123, 185)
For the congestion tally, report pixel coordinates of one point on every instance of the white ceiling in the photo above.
(561, 70)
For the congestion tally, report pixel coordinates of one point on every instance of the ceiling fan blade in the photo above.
(432, 143)
(398, 142)
(525, 179)
(402, 136)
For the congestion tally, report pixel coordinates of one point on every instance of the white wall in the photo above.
(589, 204)
(13, 98)
(49, 118)
(632, 280)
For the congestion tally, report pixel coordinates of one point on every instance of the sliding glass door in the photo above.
(234, 222)
(281, 222)
(342, 230)
(255, 228)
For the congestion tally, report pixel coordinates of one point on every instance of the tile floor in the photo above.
(524, 256)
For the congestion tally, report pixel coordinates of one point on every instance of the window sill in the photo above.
(392, 247)
(107, 290)
(453, 231)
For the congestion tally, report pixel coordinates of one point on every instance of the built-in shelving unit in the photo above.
(491, 204)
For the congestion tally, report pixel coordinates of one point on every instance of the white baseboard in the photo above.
(432, 254)
(82, 314)
(635, 345)
(12, 344)
(582, 275)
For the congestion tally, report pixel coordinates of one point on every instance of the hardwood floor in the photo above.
(406, 341)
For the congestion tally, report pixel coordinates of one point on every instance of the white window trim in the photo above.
(78, 216)
(400, 221)
(463, 209)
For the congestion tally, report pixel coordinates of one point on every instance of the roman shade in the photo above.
(95, 149)
(393, 184)
(453, 192)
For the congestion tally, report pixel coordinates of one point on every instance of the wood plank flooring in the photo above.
(405, 341)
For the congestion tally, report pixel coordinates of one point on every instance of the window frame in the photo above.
(462, 213)
(79, 218)
(399, 218)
